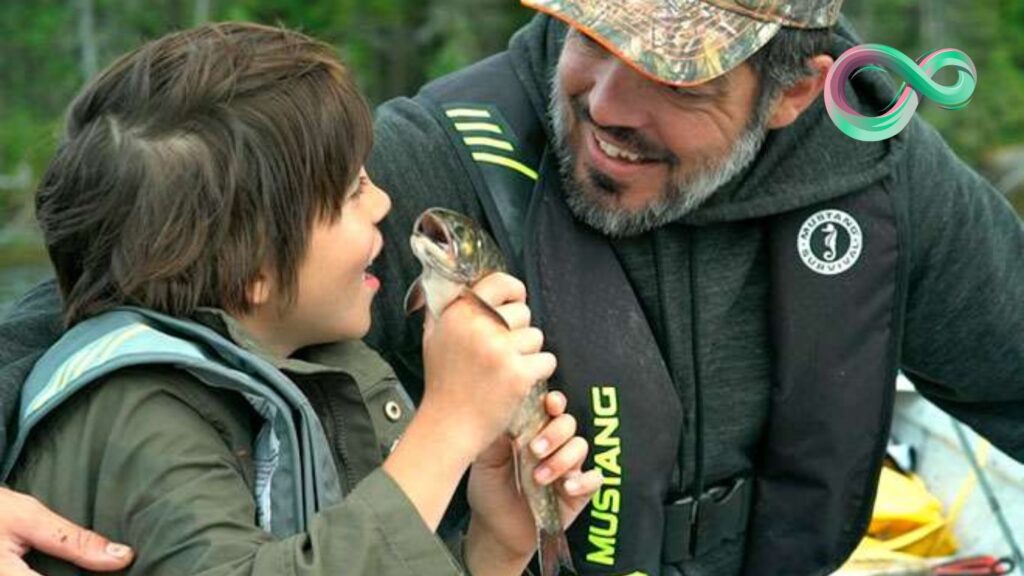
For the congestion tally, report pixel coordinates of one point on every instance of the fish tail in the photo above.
(553, 553)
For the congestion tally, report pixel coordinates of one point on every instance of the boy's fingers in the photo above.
(583, 485)
(554, 435)
(576, 491)
(499, 288)
(569, 457)
(516, 314)
(527, 340)
(555, 403)
(53, 535)
(540, 366)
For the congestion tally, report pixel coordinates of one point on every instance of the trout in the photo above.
(455, 253)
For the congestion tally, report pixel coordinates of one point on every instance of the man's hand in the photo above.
(25, 524)
(502, 535)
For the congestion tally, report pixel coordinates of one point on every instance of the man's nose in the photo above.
(620, 96)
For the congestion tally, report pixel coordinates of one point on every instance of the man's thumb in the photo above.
(51, 534)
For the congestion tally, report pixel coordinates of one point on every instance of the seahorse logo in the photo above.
(830, 242)
(917, 82)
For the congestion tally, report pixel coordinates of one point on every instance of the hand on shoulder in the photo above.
(26, 524)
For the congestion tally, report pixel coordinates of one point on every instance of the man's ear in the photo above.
(794, 100)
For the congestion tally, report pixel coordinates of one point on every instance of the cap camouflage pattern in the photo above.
(686, 42)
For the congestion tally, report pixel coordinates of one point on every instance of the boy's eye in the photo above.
(361, 183)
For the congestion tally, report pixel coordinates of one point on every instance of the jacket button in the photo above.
(392, 410)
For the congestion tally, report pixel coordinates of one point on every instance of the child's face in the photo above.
(334, 290)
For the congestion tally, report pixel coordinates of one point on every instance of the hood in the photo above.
(31, 326)
(806, 163)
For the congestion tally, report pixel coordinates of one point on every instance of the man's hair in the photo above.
(194, 163)
(782, 62)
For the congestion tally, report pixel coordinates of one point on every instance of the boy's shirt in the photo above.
(154, 458)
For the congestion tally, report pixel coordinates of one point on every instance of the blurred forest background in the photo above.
(49, 48)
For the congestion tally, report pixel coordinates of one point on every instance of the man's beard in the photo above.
(681, 194)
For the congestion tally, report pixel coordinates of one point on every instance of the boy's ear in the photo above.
(794, 100)
(259, 289)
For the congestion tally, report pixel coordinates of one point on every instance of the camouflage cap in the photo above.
(686, 42)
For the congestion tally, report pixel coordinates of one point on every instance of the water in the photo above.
(16, 280)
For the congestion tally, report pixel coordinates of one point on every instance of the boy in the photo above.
(211, 228)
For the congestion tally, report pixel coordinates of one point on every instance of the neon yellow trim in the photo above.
(467, 113)
(506, 162)
(477, 127)
(484, 141)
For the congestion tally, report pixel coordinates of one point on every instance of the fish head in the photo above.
(454, 246)
(455, 252)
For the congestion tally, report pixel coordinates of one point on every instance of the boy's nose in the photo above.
(381, 203)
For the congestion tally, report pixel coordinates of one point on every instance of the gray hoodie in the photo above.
(963, 311)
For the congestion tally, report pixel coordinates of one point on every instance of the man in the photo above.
(729, 283)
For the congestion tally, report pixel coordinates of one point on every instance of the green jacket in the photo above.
(153, 457)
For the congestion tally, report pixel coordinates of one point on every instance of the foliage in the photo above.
(396, 45)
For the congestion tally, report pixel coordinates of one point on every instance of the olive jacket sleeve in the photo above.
(160, 462)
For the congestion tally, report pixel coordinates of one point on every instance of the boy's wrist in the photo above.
(460, 433)
(429, 445)
(485, 555)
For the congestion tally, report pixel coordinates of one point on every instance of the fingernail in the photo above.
(572, 486)
(542, 473)
(539, 446)
(117, 550)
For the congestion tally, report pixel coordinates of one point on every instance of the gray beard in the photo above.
(680, 196)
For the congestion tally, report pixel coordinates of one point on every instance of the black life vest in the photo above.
(835, 320)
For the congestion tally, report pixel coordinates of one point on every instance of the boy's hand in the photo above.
(477, 371)
(26, 524)
(502, 534)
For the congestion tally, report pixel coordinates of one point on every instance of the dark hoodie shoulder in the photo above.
(26, 332)
(962, 345)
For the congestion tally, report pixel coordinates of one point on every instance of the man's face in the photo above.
(637, 154)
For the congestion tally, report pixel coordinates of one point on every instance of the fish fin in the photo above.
(468, 292)
(415, 298)
(553, 553)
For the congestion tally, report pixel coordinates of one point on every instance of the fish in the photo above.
(456, 252)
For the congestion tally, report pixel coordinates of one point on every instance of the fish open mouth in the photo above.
(439, 243)
(431, 227)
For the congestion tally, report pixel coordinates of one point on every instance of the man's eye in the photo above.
(688, 92)
(587, 43)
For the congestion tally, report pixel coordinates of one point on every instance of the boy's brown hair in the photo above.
(196, 161)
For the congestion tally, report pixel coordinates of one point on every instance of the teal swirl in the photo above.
(917, 82)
